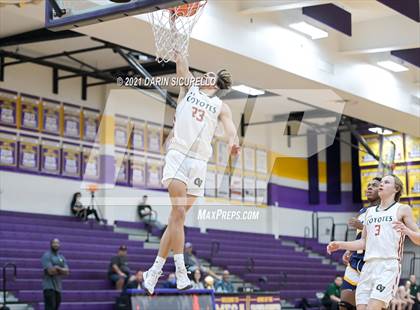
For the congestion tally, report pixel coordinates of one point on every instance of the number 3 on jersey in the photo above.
(198, 114)
(377, 230)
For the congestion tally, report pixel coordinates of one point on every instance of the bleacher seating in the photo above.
(88, 248)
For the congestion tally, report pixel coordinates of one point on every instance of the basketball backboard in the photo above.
(77, 13)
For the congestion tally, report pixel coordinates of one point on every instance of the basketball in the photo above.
(187, 10)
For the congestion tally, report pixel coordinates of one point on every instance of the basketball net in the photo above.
(172, 29)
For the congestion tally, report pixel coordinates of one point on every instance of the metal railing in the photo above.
(5, 267)
(215, 247)
(334, 230)
(413, 264)
(306, 233)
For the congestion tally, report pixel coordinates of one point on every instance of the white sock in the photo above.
(158, 264)
(179, 261)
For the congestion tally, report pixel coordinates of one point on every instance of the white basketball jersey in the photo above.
(196, 119)
(382, 240)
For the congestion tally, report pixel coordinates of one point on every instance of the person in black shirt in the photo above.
(136, 281)
(81, 211)
(147, 215)
(118, 271)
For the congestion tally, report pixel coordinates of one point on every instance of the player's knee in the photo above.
(178, 213)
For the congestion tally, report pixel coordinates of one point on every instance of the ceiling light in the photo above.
(312, 31)
(380, 131)
(248, 90)
(392, 66)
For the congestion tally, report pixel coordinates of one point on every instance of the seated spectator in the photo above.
(224, 285)
(414, 292)
(118, 271)
(209, 283)
(171, 281)
(332, 294)
(407, 295)
(196, 281)
(192, 262)
(399, 302)
(145, 211)
(135, 282)
(79, 210)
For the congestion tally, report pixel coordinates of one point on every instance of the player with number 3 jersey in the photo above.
(383, 246)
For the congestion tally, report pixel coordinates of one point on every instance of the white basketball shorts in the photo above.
(187, 169)
(378, 280)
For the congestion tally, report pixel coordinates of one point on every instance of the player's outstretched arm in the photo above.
(355, 245)
(182, 71)
(225, 117)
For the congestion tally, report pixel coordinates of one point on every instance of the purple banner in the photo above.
(90, 125)
(8, 151)
(51, 117)
(50, 157)
(138, 171)
(29, 154)
(122, 168)
(90, 164)
(29, 114)
(71, 162)
(71, 125)
(8, 110)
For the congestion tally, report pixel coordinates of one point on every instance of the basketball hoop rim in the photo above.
(200, 5)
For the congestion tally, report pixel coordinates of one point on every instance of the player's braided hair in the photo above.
(224, 79)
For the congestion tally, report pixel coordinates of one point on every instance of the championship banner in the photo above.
(366, 175)
(401, 172)
(412, 148)
(397, 139)
(90, 164)
(29, 153)
(223, 185)
(257, 301)
(90, 124)
(365, 159)
(415, 207)
(121, 168)
(8, 151)
(139, 129)
(249, 159)
(154, 173)
(29, 112)
(210, 183)
(138, 171)
(236, 187)
(222, 154)
(236, 162)
(71, 160)
(261, 191)
(71, 123)
(249, 189)
(50, 157)
(213, 156)
(261, 156)
(121, 131)
(51, 111)
(413, 181)
(8, 108)
(154, 138)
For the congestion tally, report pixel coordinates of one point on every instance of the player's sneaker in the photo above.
(150, 277)
(182, 280)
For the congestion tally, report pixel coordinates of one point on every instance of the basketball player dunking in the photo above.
(383, 246)
(354, 260)
(189, 148)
